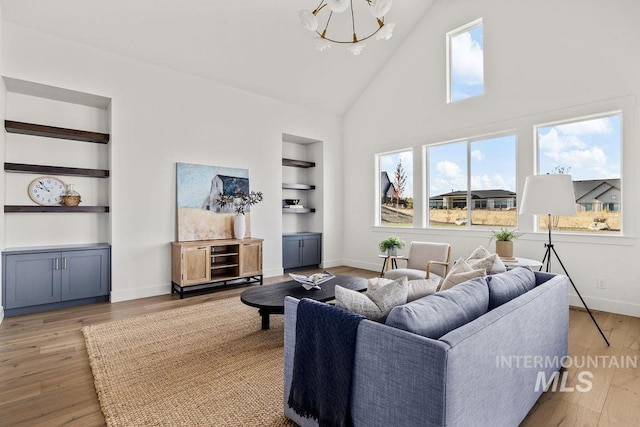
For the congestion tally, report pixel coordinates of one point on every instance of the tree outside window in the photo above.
(396, 188)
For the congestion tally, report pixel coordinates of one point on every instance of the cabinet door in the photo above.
(311, 250)
(291, 252)
(196, 265)
(32, 279)
(250, 259)
(85, 274)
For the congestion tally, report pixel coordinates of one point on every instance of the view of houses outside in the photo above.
(396, 187)
(589, 150)
(489, 167)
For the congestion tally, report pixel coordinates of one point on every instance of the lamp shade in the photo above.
(550, 194)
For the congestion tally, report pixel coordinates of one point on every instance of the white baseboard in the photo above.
(272, 272)
(135, 293)
(1, 314)
(610, 306)
(363, 265)
(332, 263)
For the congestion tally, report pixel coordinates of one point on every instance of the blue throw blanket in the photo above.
(322, 362)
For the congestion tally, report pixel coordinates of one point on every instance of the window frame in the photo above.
(378, 206)
(426, 178)
(451, 34)
(536, 168)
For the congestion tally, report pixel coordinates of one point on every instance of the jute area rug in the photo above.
(204, 365)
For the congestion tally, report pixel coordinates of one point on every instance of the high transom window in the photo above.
(465, 62)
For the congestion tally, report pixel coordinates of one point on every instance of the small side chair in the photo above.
(426, 260)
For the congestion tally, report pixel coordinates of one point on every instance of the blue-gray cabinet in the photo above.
(47, 278)
(301, 250)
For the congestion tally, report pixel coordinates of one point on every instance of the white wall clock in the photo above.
(47, 191)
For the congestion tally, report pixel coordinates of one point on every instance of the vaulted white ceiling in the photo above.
(254, 45)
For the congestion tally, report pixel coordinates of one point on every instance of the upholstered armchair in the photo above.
(426, 260)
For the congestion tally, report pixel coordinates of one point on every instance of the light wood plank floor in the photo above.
(45, 378)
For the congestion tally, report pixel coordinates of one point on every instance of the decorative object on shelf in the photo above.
(504, 241)
(552, 194)
(71, 197)
(370, 17)
(391, 245)
(240, 202)
(200, 217)
(47, 191)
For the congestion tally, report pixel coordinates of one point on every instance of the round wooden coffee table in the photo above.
(269, 299)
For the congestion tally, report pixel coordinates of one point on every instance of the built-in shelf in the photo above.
(286, 186)
(55, 170)
(297, 210)
(31, 208)
(55, 132)
(298, 163)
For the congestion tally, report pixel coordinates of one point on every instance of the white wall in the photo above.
(160, 117)
(544, 60)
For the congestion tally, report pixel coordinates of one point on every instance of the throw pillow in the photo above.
(374, 305)
(506, 286)
(490, 262)
(421, 288)
(377, 282)
(455, 279)
(440, 313)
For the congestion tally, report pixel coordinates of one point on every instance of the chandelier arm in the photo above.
(323, 34)
(319, 7)
(353, 24)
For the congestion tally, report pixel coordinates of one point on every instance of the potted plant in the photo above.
(390, 245)
(504, 241)
(240, 202)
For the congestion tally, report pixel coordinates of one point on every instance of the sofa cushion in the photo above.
(435, 315)
(374, 305)
(506, 286)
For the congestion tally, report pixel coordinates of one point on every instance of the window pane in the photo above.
(448, 185)
(466, 61)
(589, 150)
(493, 182)
(396, 186)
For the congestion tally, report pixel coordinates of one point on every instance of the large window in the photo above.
(588, 150)
(465, 62)
(396, 188)
(473, 182)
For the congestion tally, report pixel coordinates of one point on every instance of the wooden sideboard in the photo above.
(208, 264)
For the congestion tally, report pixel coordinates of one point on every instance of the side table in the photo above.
(521, 262)
(390, 261)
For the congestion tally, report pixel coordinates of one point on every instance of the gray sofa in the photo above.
(483, 373)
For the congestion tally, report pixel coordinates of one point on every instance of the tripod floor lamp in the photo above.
(552, 194)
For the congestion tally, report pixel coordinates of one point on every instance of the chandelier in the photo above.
(370, 23)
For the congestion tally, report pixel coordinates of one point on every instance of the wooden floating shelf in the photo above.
(298, 163)
(298, 186)
(55, 170)
(297, 210)
(55, 132)
(31, 208)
